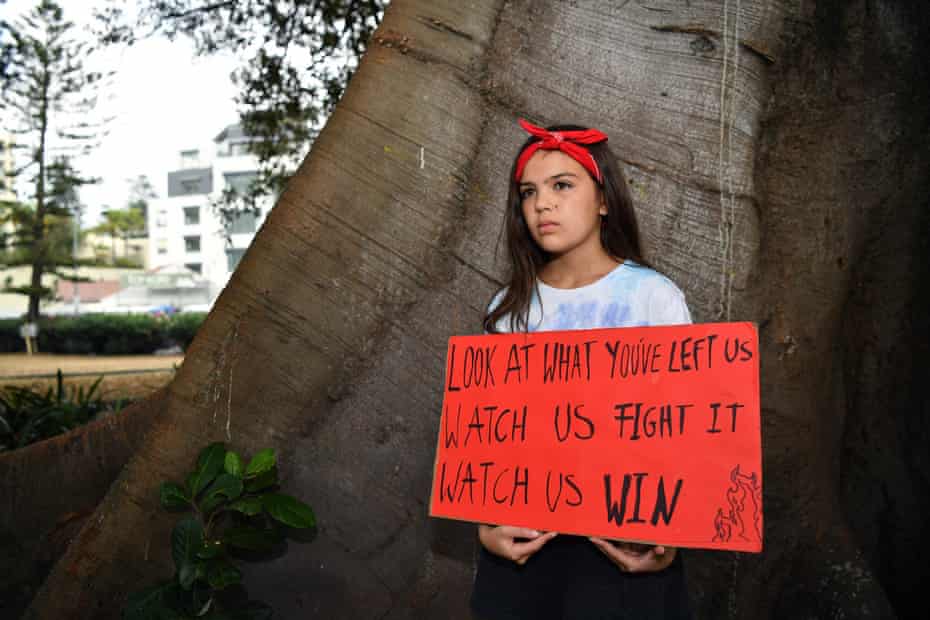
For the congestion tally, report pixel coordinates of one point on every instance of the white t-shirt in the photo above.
(629, 296)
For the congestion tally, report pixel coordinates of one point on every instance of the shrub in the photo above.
(27, 416)
(105, 334)
(234, 512)
(183, 326)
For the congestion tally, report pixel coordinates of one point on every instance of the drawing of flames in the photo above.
(743, 519)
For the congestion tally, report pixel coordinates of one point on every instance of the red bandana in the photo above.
(566, 141)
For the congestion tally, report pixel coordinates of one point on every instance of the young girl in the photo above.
(576, 263)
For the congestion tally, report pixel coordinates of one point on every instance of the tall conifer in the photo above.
(49, 106)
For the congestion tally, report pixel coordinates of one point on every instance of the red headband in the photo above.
(566, 141)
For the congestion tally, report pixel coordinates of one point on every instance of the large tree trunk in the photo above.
(49, 489)
(777, 153)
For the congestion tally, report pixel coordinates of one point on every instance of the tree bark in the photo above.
(780, 173)
(278, 360)
(48, 489)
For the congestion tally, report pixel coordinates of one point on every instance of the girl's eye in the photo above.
(526, 193)
(562, 185)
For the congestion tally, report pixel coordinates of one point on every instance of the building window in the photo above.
(162, 219)
(195, 267)
(239, 182)
(190, 159)
(233, 256)
(191, 216)
(242, 223)
(162, 246)
(238, 148)
(190, 181)
(231, 149)
(192, 244)
(190, 186)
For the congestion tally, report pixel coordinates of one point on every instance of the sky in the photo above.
(163, 100)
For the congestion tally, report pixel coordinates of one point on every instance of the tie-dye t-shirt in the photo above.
(629, 296)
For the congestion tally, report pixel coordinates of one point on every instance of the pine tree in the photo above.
(46, 86)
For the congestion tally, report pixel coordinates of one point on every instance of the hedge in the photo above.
(105, 334)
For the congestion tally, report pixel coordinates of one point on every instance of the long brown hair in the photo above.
(619, 234)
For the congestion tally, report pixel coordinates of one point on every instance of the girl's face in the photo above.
(562, 205)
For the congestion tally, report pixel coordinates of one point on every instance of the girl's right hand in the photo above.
(514, 543)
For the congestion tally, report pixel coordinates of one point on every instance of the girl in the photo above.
(576, 263)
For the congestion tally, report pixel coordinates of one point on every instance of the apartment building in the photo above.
(184, 230)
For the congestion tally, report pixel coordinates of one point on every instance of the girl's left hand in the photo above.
(636, 558)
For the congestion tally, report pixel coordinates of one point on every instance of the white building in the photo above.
(185, 231)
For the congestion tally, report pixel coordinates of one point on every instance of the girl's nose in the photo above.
(544, 201)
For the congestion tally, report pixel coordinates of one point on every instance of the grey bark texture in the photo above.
(49, 489)
(777, 152)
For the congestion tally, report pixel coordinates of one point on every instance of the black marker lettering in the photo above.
(662, 509)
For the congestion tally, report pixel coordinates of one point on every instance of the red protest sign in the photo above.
(648, 434)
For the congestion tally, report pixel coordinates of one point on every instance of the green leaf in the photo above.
(264, 480)
(210, 453)
(233, 464)
(221, 574)
(210, 549)
(201, 596)
(208, 505)
(263, 461)
(249, 506)
(251, 539)
(209, 464)
(189, 573)
(288, 510)
(225, 487)
(186, 541)
(205, 608)
(173, 496)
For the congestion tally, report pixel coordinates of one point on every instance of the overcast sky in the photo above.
(164, 100)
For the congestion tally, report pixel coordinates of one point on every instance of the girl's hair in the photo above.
(619, 234)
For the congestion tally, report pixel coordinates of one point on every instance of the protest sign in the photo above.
(648, 434)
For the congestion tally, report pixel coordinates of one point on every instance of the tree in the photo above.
(48, 100)
(52, 244)
(297, 57)
(6, 48)
(123, 224)
(779, 178)
(141, 193)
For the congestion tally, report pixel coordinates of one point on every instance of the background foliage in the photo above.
(296, 58)
(27, 416)
(106, 334)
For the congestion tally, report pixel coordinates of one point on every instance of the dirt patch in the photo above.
(155, 371)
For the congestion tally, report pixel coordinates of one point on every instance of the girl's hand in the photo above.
(514, 543)
(636, 558)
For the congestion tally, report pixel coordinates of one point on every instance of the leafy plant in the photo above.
(235, 512)
(27, 416)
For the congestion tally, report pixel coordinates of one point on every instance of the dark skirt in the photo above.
(570, 579)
